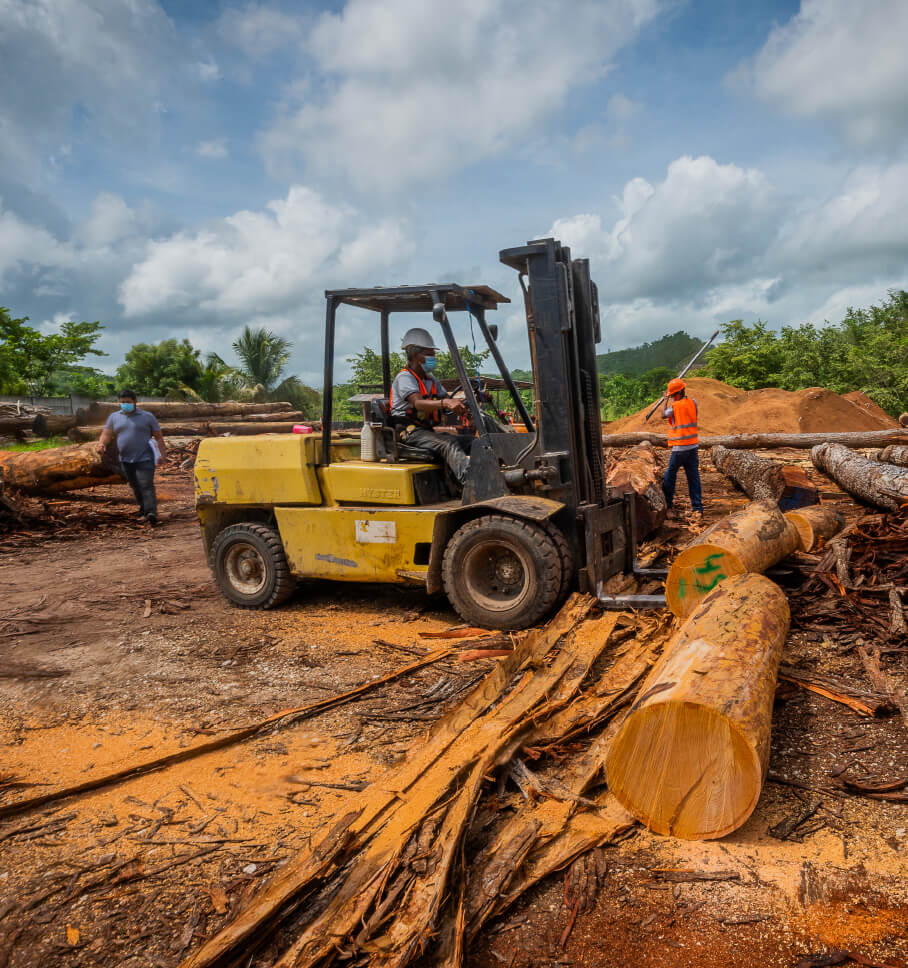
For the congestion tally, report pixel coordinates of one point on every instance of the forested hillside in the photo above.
(672, 351)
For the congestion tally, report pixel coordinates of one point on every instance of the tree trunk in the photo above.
(894, 454)
(883, 485)
(295, 415)
(637, 472)
(14, 426)
(751, 539)
(903, 419)
(816, 525)
(864, 438)
(763, 479)
(167, 429)
(691, 757)
(99, 411)
(59, 469)
(243, 428)
(50, 424)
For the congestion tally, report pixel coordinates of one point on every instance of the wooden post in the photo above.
(751, 539)
(691, 757)
(816, 525)
(883, 485)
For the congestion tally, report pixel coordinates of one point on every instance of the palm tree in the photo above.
(263, 357)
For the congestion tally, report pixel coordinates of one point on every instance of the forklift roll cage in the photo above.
(560, 458)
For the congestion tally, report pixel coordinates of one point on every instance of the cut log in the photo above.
(751, 539)
(295, 415)
(816, 525)
(51, 424)
(99, 411)
(691, 757)
(58, 469)
(637, 472)
(168, 429)
(242, 428)
(763, 479)
(903, 419)
(894, 454)
(14, 426)
(863, 438)
(883, 485)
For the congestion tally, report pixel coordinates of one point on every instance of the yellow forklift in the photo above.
(533, 519)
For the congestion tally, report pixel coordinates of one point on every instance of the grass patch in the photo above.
(43, 444)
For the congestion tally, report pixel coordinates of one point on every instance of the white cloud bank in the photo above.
(406, 90)
(842, 62)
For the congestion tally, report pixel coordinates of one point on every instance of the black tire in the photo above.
(250, 567)
(567, 559)
(502, 573)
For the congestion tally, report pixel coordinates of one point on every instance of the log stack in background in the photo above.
(691, 757)
(99, 411)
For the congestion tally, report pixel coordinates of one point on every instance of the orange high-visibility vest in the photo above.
(683, 423)
(424, 393)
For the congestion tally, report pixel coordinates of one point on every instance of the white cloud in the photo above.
(208, 71)
(411, 91)
(258, 30)
(212, 149)
(841, 62)
(620, 108)
(260, 262)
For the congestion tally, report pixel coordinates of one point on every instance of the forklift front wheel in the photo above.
(502, 573)
(250, 567)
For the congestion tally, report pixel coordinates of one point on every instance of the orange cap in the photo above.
(676, 385)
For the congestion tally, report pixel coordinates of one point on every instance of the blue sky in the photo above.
(185, 168)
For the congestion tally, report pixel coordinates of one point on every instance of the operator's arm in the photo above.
(434, 406)
(667, 413)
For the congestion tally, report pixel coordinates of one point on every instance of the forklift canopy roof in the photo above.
(416, 299)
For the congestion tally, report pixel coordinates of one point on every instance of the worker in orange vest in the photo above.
(681, 414)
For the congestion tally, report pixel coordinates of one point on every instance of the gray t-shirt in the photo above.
(133, 431)
(406, 383)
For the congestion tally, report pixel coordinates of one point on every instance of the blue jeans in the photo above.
(140, 475)
(689, 460)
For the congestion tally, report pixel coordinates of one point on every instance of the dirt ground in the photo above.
(116, 647)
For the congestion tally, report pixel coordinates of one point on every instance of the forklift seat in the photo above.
(389, 445)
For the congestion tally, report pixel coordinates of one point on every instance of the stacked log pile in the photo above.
(395, 881)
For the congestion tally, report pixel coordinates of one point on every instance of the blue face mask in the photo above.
(127, 407)
(429, 363)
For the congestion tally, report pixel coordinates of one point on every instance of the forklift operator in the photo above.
(418, 402)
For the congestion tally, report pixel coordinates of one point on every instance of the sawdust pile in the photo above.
(729, 410)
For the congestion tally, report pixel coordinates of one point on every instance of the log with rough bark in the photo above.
(894, 454)
(51, 424)
(763, 479)
(14, 426)
(883, 485)
(244, 428)
(58, 469)
(168, 429)
(99, 411)
(816, 525)
(864, 438)
(691, 757)
(903, 419)
(295, 415)
(637, 472)
(751, 539)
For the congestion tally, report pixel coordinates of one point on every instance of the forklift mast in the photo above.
(565, 458)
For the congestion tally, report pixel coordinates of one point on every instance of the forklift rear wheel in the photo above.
(250, 567)
(502, 573)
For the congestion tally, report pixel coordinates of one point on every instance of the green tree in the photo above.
(263, 360)
(29, 359)
(161, 369)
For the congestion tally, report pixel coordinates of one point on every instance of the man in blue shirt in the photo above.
(134, 430)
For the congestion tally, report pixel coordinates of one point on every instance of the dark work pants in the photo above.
(140, 475)
(449, 447)
(689, 460)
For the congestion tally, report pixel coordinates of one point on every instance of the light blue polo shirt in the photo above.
(133, 431)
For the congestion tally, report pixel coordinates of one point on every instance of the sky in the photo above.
(188, 167)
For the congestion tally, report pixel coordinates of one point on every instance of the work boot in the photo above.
(152, 519)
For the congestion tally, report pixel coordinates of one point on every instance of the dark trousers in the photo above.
(689, 460)
(449, 447)
(140, 475)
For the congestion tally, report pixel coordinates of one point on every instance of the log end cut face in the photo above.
(695, 573)
(684, 770)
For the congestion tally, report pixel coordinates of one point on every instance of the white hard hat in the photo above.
(418, 337)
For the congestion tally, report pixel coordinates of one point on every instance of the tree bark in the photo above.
(864, 438)
(59, 469)
(903, 419)
(50, 424)
(816, 525)
(691, 757)
(283, 416)
(243, 428)
(751, 539)
(763, 479)
(99, 411)
(168, 429)
(883, 485)
(14, 426)
(894, 454)
(637, 472)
